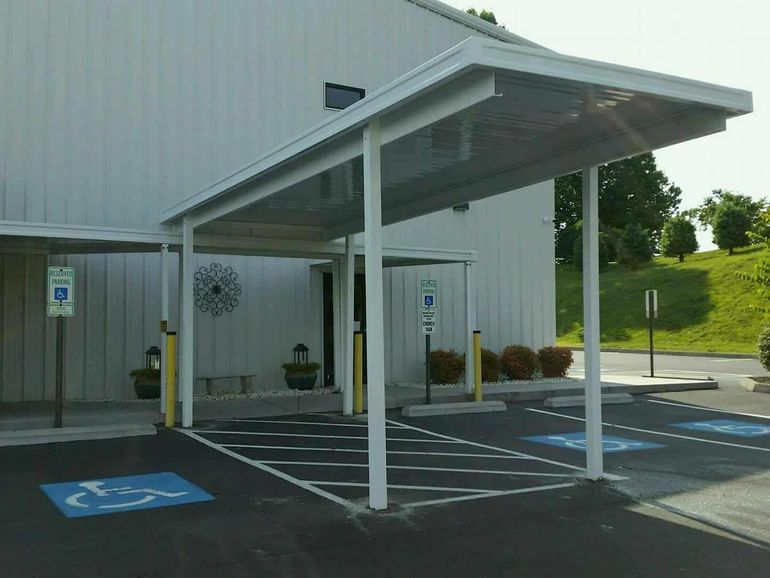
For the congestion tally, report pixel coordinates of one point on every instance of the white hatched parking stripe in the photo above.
(280, 421)
(296, 435)
(430, 437)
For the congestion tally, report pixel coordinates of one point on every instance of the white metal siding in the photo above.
(111, 111)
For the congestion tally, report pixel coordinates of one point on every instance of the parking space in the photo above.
(327, 455)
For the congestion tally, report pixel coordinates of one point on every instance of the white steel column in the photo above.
(375, 323)
(187, 331)
(591, 330)
(348, 282)
(163, 323)
(470, 326)
(336, 325)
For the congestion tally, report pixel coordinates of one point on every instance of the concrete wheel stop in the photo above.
(71, 434)
(453, 408)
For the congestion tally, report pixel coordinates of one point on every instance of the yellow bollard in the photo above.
(477, 366)
(358, 372)
(170, 377)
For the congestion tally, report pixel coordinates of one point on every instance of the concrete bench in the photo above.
(247, 382)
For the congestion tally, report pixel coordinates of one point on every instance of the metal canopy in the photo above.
(480, 119)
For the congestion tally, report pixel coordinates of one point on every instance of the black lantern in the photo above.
(152, 358)
(300, 353)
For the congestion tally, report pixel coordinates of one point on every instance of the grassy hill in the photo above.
(702, 304)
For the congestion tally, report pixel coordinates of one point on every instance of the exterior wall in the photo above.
(513, 278)
(112, 111)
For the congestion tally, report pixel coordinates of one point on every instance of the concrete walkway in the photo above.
(40, 415)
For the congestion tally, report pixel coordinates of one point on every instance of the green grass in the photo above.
(702, 304)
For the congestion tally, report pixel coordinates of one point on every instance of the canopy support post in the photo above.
(375, 339)
(348, 282)
(591, 329)
(337, 300)
(470, 326)
(163, 323)
(187, 331)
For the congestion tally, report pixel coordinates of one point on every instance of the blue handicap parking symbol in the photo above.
(744, 429)
(577, 441)
(124, 494)
(61, 293)
(428, 300)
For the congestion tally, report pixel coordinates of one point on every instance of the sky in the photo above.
(721, 42)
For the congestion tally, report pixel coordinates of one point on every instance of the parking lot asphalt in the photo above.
(691, 505)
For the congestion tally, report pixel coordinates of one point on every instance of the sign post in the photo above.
(651, 307)
(428, 308)
(61, 304)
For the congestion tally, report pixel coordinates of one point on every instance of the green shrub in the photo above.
(554, 361)
(519, 362)
(145, 373)
(678, 238)
(490, 366)
(634, 246)
(763, 347)
(577, 252)
(730, 227)
(301, 367)
(446, 366)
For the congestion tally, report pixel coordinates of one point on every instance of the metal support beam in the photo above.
(163, 323)
(337, 325)
(187, 330)
(470, 326)
(591, 330)
(348, 281)
(375, 322)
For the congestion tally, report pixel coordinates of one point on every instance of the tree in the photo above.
(487, 15)
(678, 238)
(634, 246)
(731, 225)
(577, 250)
(706, 211)
(632, 190)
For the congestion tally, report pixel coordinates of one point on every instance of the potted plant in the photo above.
(146, 383)
(301, 375)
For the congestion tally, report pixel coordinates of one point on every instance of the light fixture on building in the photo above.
(152, 358)
(300, 353)
(461, 208)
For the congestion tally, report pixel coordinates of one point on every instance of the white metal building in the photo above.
(110, 112)
(205, 126)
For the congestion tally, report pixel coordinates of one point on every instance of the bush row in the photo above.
(515, 362)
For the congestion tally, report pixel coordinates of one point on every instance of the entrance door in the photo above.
(359, 317)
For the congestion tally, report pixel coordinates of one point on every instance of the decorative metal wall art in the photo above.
(216, 289)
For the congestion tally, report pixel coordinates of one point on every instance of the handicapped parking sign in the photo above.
(61, 293)
(123, 494)
(577, 441)
(745, 429)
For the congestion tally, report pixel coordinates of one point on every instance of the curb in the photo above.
(676, 353)
(30, 437)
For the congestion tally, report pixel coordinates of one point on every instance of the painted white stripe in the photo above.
(419, 468)
(296, 435)
(654, 432)
(489, 495)
(278, 421)
(488, 447)
(450, 454)
(278, 473)
(708, 409)
(298, 448)
(405, 487)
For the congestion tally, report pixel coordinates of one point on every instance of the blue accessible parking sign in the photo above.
(744, 429)
(577, 441)
(124, 494)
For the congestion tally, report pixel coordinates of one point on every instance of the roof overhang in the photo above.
(50, 239)
(481, 119)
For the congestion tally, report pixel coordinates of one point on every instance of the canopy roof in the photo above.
(483, 118)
